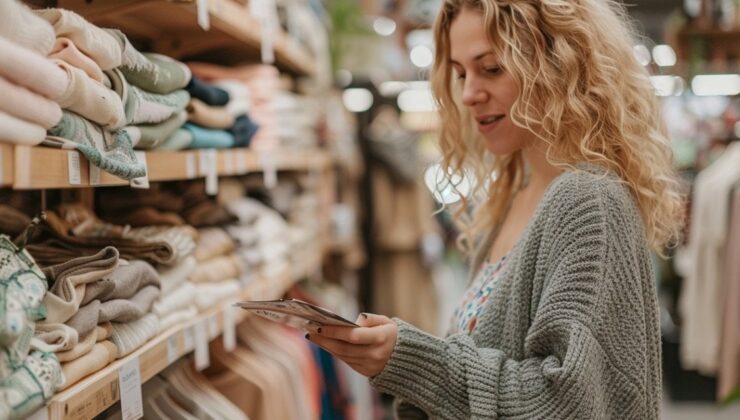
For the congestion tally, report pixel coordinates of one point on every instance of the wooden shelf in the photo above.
(171, 28)
(28, 167)
(92, 395)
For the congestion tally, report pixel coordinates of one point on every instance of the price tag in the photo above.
(209, 168)
(204, 19)
(189, 339)
(213, 327)
(229, 162)
(269, 170)
(229, 327)
(202, 358)
(129, 384)
(172, 350)
(241, 162)
(141, 182)
(191, 165)
(73, 167)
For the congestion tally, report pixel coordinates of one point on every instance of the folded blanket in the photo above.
(20, 25)
(243, 130)
(28, 388)
(173, 277)
(82, 348)
(129, 336)
(126, 280)
(211, 95)
(145, 216)
(91, 99)
(218, 269)
(178, 299)
(17, 131)
(176, 317)
(214, 72)
(213, 242)
(179, 140)
(28, 106)
(209, 294)
(153, 135)
(65, 50)
(96, 43)
(217, 117)
(131, 58)
(204, 138)
(111, 152)
(165, 75)
(99, 357)
(117, 310)
(143, 107)
(59, 337)
(180, 238)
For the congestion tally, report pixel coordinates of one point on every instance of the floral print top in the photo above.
(465, 318)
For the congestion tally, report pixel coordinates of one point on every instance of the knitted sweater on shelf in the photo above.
(570, 330)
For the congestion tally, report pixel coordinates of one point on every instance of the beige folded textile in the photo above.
(66, 50)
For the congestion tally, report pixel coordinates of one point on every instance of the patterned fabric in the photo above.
(465, 318)
(27, 389)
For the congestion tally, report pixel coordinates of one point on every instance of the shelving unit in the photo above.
(28, 167)
(99, 391)
(170, 27)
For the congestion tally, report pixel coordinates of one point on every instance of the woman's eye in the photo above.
(460, 77)
(492, 70)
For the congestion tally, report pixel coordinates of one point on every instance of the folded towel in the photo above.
(131, 58)
(173, 277)
(65, 50)
(165, 75)
(143, 107)
(180, 238)
(176, 317)
(178, 299)
(213, 242)
(28, 106)
(179, 140)
(96, 43)
(111, 152)
(91, 99)
(118, 310)
(16, 131)
(211, 95)
(29, 387)
(243, 130)
(218, 269)
(20, 25)
(129, 336)
(153, 135)
(217, 117)
(144, 216)
(210, 294)
(59, 337)
(127, 279)
(82, 348)
(204, 138)
(99, 357)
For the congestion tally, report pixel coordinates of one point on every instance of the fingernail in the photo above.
(364, 316)
(319, 330)
(308, 337)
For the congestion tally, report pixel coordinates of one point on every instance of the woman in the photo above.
(561, 321)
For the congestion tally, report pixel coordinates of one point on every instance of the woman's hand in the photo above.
(365, 349)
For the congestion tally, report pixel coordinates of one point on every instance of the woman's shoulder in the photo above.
(589, 183)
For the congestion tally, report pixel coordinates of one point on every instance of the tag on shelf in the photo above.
(266, 13)
(229, 327)
(269, 169)
(204, 18)
(73, 167)
(129, 384)
(229, 162)
(141, 182)
(191, 165)
(172, 349)
(202, 358)
(241, 162)
(94, 175)
(209, 167)
(213, 327)
(189, 339)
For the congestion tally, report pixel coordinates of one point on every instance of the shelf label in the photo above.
(73, 167)
(229, 327)
(202, 358)
(172, 355)
(269, 169)
(213, 327)
(141, 182)
(189, 340)
(191, 165)
(266, 13)
(209, 168)
(129, 383)
(204, 19)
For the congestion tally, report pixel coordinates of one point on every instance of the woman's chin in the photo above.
(500, 147)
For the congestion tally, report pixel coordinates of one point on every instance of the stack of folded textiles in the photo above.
(30, 373)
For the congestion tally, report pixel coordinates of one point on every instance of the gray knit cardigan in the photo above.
(570, 331)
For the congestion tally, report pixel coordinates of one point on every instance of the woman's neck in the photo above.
(541, 171)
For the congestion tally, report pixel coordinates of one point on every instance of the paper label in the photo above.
(209, 168)
(141, 182)
(73, 167)
(191, 165)
(229, 328)
(269, 170)
(204, 19)
(129, 382)
(189, 339)
(202, 358)
(213, 327)
(172, 355)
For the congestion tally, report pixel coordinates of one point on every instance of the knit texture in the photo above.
(20, 25)
(27, 68)
(143, 107)
(131, 335)
(162, 74)
(206, 138)
(570, 330)
(153, 135)
(65, 50)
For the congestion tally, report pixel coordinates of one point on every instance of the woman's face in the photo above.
(488, 91)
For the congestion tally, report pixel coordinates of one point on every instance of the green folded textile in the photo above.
(165, 76)
(111, 152)
(144, 107)
(30, 386)
(153, 135)
(180, 139)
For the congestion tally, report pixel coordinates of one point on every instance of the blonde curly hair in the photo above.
(580, 85)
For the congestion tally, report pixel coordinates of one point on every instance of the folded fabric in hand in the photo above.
(26, 68)
(66, 50)
(205, 138)
(17, 131)
(91, 99)
(204, 115)
(96, 43)
(143, 107)
(165, 75)
(28, 106)
(211, 95)
(153, 135)
(20, 25)
(28, 387)
(111, 152)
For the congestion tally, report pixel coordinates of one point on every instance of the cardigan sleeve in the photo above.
(582, 358)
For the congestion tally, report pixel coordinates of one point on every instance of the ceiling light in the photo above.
(357, 99)
(421, 56)
(384, 26)
(716, 85)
